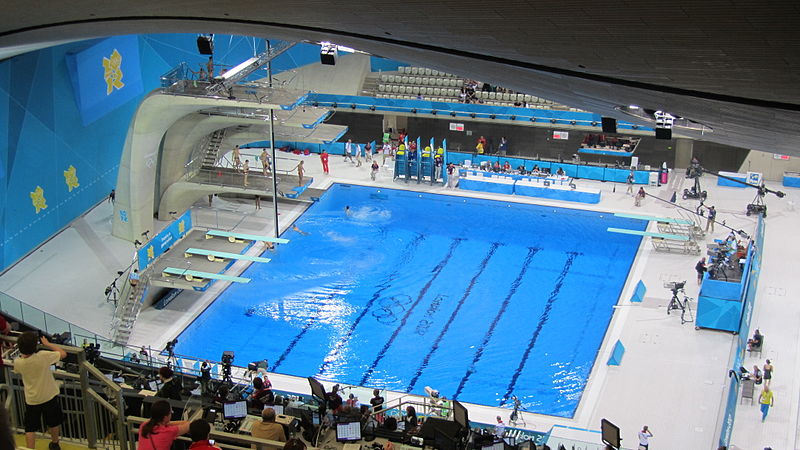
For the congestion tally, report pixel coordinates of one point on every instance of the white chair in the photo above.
(430, 91)
(395, 89)
(401, 89)
(506, 96)
(414, 71)
(435, 72)
(437, 92)
(427, 71)
(382, 87)
(527, 98)
(404, 80)
(438, 81)
(425, 81)
(415, 90)
(417, 80)
(492, 95)
(384, 78)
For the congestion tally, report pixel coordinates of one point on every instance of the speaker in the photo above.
(663, 133)
(609, 125)
(205, 45)
(327, 54)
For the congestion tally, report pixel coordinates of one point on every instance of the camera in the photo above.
(227, 357)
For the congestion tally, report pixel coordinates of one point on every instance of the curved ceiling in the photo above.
(732, 66)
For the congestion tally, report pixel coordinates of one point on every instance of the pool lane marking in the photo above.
(336, 291)
(542, 320)
(453, 315)
(532, 251)
(436, 271)
(407, 253)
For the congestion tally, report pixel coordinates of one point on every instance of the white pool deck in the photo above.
(671, 377)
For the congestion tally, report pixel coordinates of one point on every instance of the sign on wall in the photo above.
(780, 157)
(563, 135)
(456, 126)
(164, 240)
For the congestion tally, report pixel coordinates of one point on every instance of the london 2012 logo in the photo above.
(112, 72)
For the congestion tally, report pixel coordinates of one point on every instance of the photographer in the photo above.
(41, 389)
(170, 387)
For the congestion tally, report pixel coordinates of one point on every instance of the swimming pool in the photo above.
(478, 299)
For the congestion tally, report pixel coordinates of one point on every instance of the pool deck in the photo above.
(671, 377)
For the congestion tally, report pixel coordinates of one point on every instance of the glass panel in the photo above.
(54, 325)
(33, 317)
(11, 306)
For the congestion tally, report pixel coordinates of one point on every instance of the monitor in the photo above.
(609, 433)
(278, 409)
(234, 410)
(442, 441)
(315, 420)
(317, 389)
(401, 425)
(348, 431)
(460, 415)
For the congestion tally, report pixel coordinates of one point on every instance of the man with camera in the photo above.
(41, 389)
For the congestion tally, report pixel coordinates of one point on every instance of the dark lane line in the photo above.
(542, 320)
(479, 353)
(407, 252)
(436, 271)
(453, 315)
(337, 289)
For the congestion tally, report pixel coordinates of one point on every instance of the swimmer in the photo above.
(295, 228)
(347, 211)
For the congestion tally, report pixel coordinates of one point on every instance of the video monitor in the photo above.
(278, 409)
(234, 410)
(609, 433)
(348, 431)
(317, 389)
(460, 415)
(442, 441)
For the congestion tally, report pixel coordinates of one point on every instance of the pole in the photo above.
(272, 153)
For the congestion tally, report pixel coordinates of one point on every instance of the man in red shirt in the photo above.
(324, 158)
(199, 431)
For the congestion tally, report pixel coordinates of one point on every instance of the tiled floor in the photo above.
(671, 377)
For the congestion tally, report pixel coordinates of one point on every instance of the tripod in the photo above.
(675, 303)
(112, 293)
(516, 418)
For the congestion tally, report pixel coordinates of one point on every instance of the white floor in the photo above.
(671, 377)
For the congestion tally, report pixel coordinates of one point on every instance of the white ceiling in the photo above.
(731, 65)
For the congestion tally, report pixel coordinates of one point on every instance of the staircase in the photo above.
(127, 311)
(370, 86)
(213, 146)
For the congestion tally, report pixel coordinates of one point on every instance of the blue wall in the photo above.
(42, 135)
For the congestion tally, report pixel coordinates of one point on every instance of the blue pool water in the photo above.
(476, 298)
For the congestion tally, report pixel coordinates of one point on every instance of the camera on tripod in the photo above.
(675, 286)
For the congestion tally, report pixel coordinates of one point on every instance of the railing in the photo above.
(177, 73)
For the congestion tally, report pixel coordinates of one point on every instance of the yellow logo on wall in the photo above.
(181, 227)
(71, 178)
(151, 254)
(38, 200)
(113, 73)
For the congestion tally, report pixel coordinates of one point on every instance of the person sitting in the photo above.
(160, 432)
(506, 167)
(262, 394)
(521, 169)
(352, 401)
(268, 428)
(757, 375)
(755, 342)
(334, 400)
(170, 388)
(411, 419)
(199, 431)
(496, 167)
(560, 171)
(294, 444)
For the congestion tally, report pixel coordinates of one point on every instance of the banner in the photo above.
(105, 76)
(163, 241)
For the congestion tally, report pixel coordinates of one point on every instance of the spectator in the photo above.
(160, 432)
(6, 434)
(169, 387)
(352, 401)
(701, 270)
(374, 171)
(411, 418)
(199, 431)
(755, 341)
(500, 428)
(333, 399)
(267, 428)
(40, 387)
(644, 438)
(348, 150)
(262, 393)
(205, 378)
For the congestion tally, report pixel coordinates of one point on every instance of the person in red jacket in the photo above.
(324, 158)
(199, 431)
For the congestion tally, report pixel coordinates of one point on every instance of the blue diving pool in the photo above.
(479, 299)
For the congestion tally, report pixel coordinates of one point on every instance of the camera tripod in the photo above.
(112, 293)
(675, 302)
(516, 418)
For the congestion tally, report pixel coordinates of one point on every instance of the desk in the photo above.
(556, 192)
(499, 185)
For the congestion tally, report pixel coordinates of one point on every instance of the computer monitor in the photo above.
(460, 415)
(234, 410)
(442, 441)
(278, 408)
(348, 431)
(317, 389)
(609, 433)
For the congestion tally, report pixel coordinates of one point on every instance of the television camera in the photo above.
(695, 171)
(227, 363)
(675, 302)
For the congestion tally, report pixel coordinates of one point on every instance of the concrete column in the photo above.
(683, 152)
(390, 121)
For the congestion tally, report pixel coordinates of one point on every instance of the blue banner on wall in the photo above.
(105, 76)
(164, 240)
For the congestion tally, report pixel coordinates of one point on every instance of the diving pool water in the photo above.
(482, 300)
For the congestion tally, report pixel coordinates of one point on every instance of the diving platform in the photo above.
(674, 237)
(655, 219)
(191, 275)
(233, 237)
(214, 255)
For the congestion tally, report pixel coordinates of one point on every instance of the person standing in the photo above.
(639, 197)
(503, 146)
(324, 158)
(500, 428)
(348, 150)
(205, 378)
(768, 369)
(712, 214)
(300, 171)
(765, 399)
(358, 155)
(644, 438)
(246, 170)
(387, 148)
(368, 152)
(437, 166)
(374, 171)
(40, 387)
(237, 157)
(701, 270)
(629, 182)
(265, 162)
(210, 67)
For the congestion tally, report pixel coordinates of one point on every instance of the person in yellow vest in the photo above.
(765, 400)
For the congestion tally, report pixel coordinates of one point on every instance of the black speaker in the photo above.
(327, 58)
(609, 125)
(663, 133)
(205, 45)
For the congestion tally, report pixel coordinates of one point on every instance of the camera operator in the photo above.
(205, 378)
(170, 388)
(41, 389)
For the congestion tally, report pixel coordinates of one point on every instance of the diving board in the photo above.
(212, 255)
(233, 237)
(655, 219)
(192, 274)
(674, 237)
